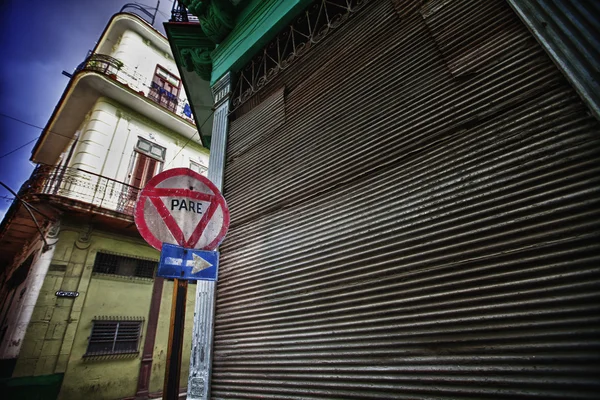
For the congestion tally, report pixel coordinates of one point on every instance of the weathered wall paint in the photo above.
(18, 302)
(57, 336)
(28, 293)
(106, 377)
(52, 316)
(109, 136)
(162, 336)
(140, 49)
(140, 57)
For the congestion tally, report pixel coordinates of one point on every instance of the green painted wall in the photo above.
(257, 24)
(106, 377)
(162, 336)
(45, 347)
(57, 336)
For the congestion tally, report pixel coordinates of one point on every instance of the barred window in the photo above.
(114, 337)
(126, 266)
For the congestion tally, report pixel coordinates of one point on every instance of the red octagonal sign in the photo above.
(180, 206)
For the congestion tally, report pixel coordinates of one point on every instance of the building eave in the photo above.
(200, 100)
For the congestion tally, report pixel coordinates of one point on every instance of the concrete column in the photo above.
(202, 335)
(33, 285)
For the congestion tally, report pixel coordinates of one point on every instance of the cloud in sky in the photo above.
(40, 39)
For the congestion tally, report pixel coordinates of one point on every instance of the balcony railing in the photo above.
(144, 86)
(101, 63)
(179, 13)
(83, 186)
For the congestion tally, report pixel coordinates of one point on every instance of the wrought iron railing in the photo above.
(141, 11)
(83, 186)
(163, 97)
(144, 86)
(179, 13)
(310, 28)
(101, 63)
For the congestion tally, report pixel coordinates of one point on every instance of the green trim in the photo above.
(35, 380)
(258, 23)
(216, 17)
(184, 40)
(42, 387)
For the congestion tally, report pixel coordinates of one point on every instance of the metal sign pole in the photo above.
(183, 206)
(199, 379)
(175, 344)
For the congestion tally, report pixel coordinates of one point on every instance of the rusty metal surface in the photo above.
(570, 32)
(246, 131)
(290, 45)
(473, 44)
(410, 232)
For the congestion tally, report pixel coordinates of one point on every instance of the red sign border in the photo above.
(140, 221)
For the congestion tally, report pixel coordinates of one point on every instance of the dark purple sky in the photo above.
(40, 39)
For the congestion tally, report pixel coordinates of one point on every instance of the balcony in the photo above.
(102, 63)
(75, 193)
(144, 86)
(77, 189)
(179, 13)
(101, 75)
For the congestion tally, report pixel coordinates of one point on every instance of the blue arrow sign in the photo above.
(181, 263)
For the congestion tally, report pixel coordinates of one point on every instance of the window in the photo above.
(151, 149)
(114, 336)
(147, 163)
(106, 263)
(199, 168)
(165, 89)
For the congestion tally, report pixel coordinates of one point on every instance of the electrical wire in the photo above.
(151, 8)
(30, 210)
(19, 148)
(32, 140)
(190, 139)
(20, 120)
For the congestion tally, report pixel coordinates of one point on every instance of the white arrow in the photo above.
(199, 264)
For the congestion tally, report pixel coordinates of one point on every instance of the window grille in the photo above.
(114, 336)
(106, 263)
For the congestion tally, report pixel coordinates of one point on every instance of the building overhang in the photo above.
(226, 36)
(83, 91)
(122, 22)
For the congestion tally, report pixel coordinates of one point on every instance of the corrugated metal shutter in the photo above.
(410, 231)
(250, 129)
(570, 32)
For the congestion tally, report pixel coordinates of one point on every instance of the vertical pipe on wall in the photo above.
(202, 335)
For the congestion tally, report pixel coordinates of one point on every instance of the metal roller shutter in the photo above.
(424, 223)
(570, 32)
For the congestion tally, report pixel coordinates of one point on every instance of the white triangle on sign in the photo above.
(199, 264)
(186, 212)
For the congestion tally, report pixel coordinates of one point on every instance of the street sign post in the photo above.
(183, 214)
